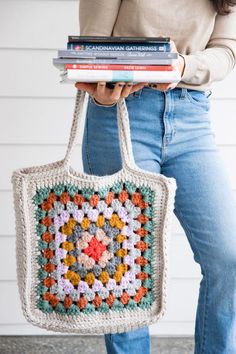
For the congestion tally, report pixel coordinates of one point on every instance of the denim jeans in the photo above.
(171, 134)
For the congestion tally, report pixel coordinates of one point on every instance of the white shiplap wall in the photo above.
(36, 114)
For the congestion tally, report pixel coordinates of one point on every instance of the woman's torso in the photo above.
(188, 23)
(191, 24)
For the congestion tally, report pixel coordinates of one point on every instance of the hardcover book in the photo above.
(121, 75)
(118, 39)
(60, 62)
(119, 67)
(62, 53)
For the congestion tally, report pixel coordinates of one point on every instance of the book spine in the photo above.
(125, 75)
(119, 67)
(163, 47)
(118, 54)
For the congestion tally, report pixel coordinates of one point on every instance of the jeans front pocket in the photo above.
(198, 98)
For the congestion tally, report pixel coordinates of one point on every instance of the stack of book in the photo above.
(113, 59)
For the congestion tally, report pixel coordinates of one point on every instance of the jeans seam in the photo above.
(173, 117)
(202, 347)
(111, 340)
(86, 143)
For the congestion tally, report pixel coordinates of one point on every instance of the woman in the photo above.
(171, 134)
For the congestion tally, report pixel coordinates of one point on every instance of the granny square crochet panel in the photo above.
(94, 248)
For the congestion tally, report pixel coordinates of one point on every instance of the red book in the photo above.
(119, 67)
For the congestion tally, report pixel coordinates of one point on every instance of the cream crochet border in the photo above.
(26, 181)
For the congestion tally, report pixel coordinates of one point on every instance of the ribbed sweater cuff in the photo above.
(190, 69)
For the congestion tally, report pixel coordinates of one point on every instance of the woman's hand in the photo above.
(107, 96)
(178, 65)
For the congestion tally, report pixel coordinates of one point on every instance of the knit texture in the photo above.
(92, 250)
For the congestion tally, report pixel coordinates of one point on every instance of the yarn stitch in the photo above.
(92, 250)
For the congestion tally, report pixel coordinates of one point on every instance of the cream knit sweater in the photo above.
(206, 39)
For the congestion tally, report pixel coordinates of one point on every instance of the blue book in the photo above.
(129, 47)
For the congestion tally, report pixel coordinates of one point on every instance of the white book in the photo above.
(77, 75)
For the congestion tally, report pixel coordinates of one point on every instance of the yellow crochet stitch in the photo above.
(71, 223)
(122, 252)
(69, 260)
(120, 224)
(122, 268)
(116, 221)
(120, 238)
(73, 277)
(66, 230)
(104, 277)
(100, 221)
(85, 223)
(68, 246)
(117, 276)
(113, 220)
(90, 278)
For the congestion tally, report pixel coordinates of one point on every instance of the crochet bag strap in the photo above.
(123, 130)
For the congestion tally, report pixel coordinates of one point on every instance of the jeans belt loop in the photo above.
(183, 93)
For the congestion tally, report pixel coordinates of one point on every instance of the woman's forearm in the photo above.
(205, 67)
(218, 59)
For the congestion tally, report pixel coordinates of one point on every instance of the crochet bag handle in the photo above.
(123, 129)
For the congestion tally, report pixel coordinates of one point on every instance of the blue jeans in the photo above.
(171, 134)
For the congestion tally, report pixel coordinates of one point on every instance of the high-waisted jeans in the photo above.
(171, 134)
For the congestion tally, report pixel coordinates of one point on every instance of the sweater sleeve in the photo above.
(218, 59)
(98, 17)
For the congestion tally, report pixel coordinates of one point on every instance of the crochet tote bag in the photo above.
(91, 251)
